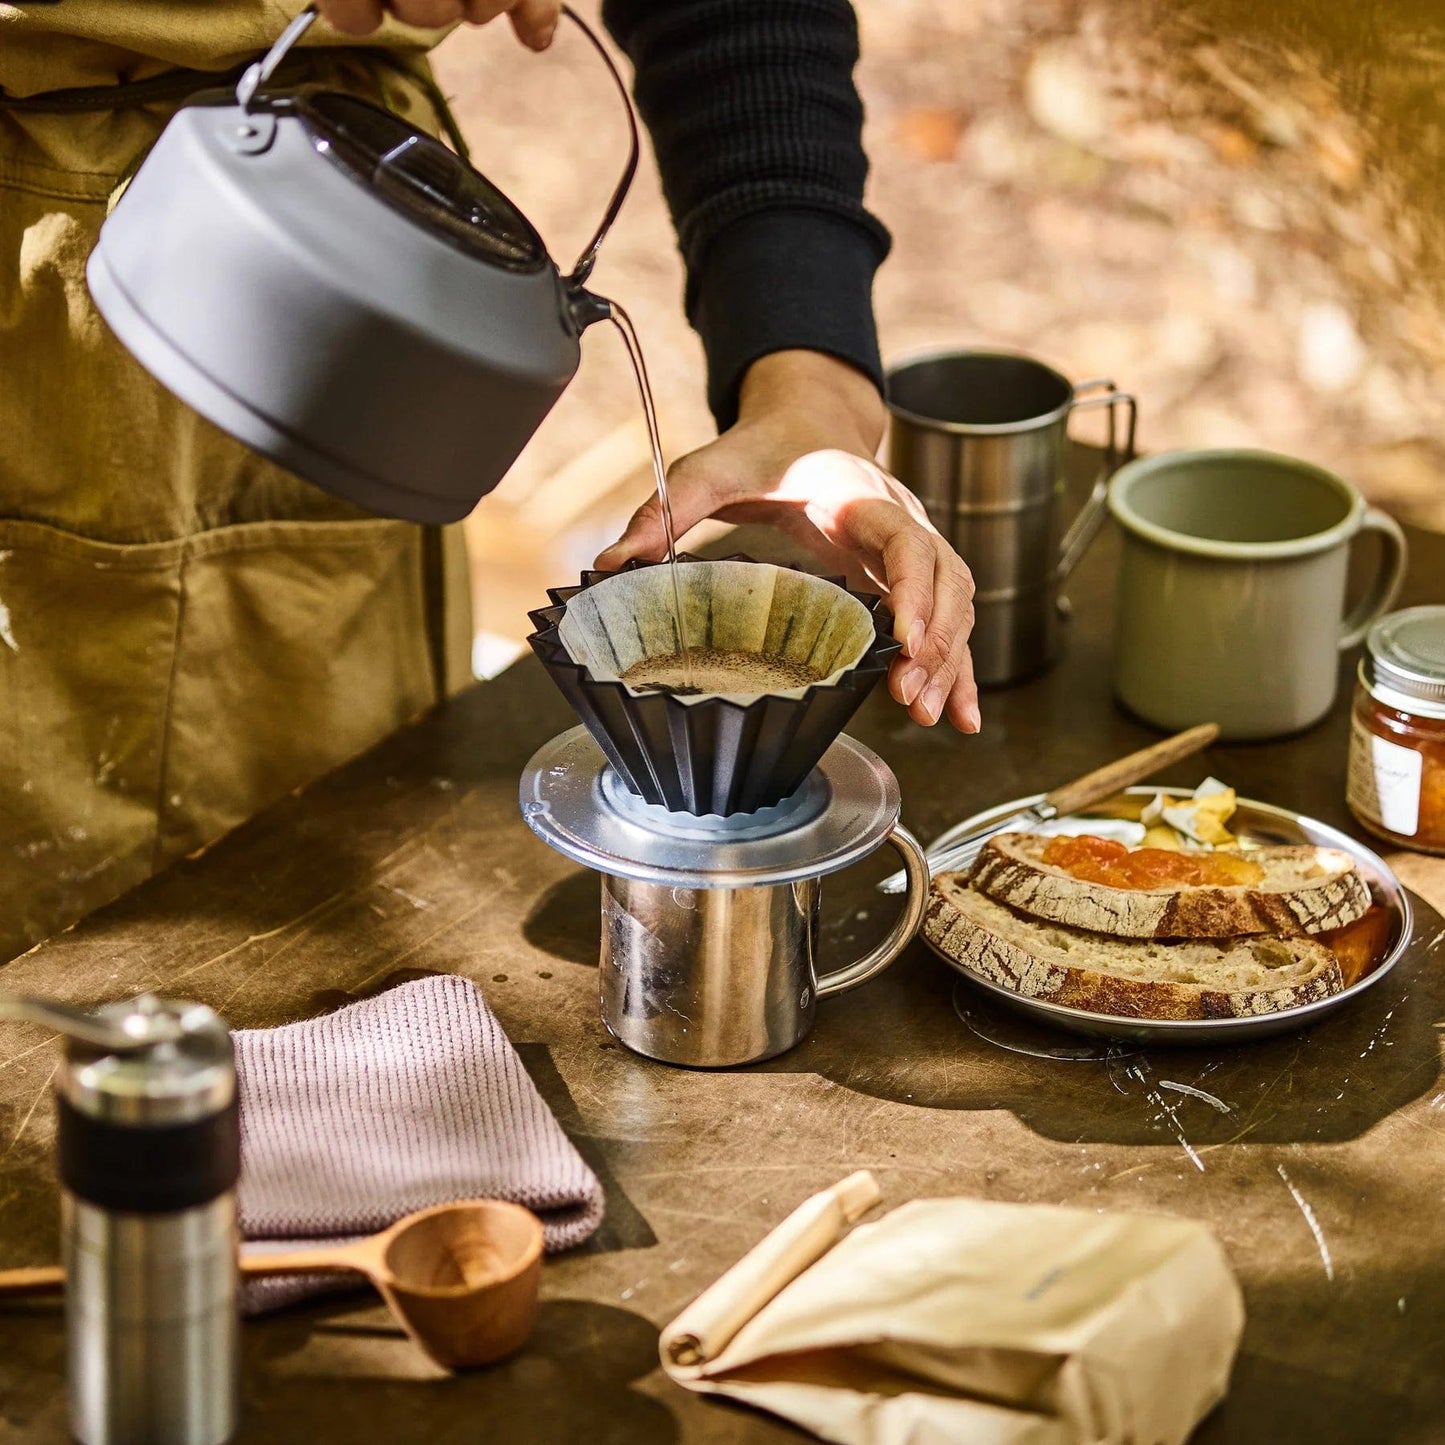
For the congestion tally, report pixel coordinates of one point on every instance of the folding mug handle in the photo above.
(1083, 529)
(915, 864)
(1385, 586)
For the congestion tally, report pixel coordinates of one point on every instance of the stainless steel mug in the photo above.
(711, 977)
(981, 437)
(149, 1154)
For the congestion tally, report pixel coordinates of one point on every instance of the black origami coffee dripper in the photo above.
(717, 753)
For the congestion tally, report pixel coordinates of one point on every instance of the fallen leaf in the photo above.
(930, 133)
(1231, 145)
(1338, 158)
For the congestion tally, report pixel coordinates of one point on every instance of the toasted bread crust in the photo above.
(955, 928)
(1008, 870)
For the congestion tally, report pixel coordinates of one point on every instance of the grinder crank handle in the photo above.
(915, 867)
(152, 1024)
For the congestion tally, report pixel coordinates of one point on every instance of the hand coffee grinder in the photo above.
(148, 1156)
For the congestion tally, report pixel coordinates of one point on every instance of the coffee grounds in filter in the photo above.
(718, 670)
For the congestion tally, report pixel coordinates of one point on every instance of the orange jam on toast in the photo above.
(1102, 860)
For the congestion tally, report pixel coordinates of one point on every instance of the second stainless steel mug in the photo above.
(710, 922)
(981, 437)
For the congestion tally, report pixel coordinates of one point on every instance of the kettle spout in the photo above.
(587, 307)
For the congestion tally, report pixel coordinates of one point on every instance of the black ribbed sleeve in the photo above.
(757, 127)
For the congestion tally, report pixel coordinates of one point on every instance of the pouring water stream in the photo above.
(623, 322)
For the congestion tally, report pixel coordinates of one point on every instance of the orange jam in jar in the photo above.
(1396, 781)
(1102, 860)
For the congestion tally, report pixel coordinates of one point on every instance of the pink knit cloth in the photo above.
(394, 1104)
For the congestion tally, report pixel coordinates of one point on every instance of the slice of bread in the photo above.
(1133, 978)
(1304, 889)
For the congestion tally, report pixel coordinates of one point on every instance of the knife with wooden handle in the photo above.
(957, 848)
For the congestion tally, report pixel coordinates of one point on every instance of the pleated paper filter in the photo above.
(797, 653)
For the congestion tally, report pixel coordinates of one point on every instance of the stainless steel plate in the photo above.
(1263, 823)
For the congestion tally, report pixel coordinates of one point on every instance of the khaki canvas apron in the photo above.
(186, 632)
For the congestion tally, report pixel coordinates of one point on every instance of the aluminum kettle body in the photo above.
(292, 301)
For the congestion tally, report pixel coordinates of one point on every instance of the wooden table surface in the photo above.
(1325, 1180)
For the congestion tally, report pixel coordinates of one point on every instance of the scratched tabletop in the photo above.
(1318, 1157)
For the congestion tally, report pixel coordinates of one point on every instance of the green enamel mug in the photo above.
(1232, 588)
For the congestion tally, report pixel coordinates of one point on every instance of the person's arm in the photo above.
(758, 132)
(757, 128)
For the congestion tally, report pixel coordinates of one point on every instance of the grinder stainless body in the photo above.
(149, 1155)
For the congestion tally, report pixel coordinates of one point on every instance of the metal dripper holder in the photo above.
(714, 753)
(710, 925)
(714, 818)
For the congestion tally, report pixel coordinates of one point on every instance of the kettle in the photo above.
(341, 292)
(149, 1154)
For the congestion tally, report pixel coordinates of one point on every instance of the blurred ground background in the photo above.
(1236, 210)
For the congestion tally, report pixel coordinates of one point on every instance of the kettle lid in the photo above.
(420, 177)
(433, 185)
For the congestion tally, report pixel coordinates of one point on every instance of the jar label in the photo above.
(1384, 781)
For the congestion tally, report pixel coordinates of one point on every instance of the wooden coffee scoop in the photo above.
(461, 1278)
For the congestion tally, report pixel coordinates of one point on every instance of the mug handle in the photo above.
(1387, 580)
(1084, 528)
(915, 864)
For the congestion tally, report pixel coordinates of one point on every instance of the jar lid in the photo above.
(1405, 653)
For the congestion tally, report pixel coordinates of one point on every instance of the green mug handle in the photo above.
(1386, 584)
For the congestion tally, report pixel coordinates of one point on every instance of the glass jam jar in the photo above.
(1396, 781)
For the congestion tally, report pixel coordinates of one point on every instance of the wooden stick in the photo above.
(703, 1330)
(1114, 777)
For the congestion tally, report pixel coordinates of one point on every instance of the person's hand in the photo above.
(533, 20)
(801, 458)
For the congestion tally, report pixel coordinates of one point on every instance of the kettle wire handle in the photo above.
(259, 74)
(579, 273)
